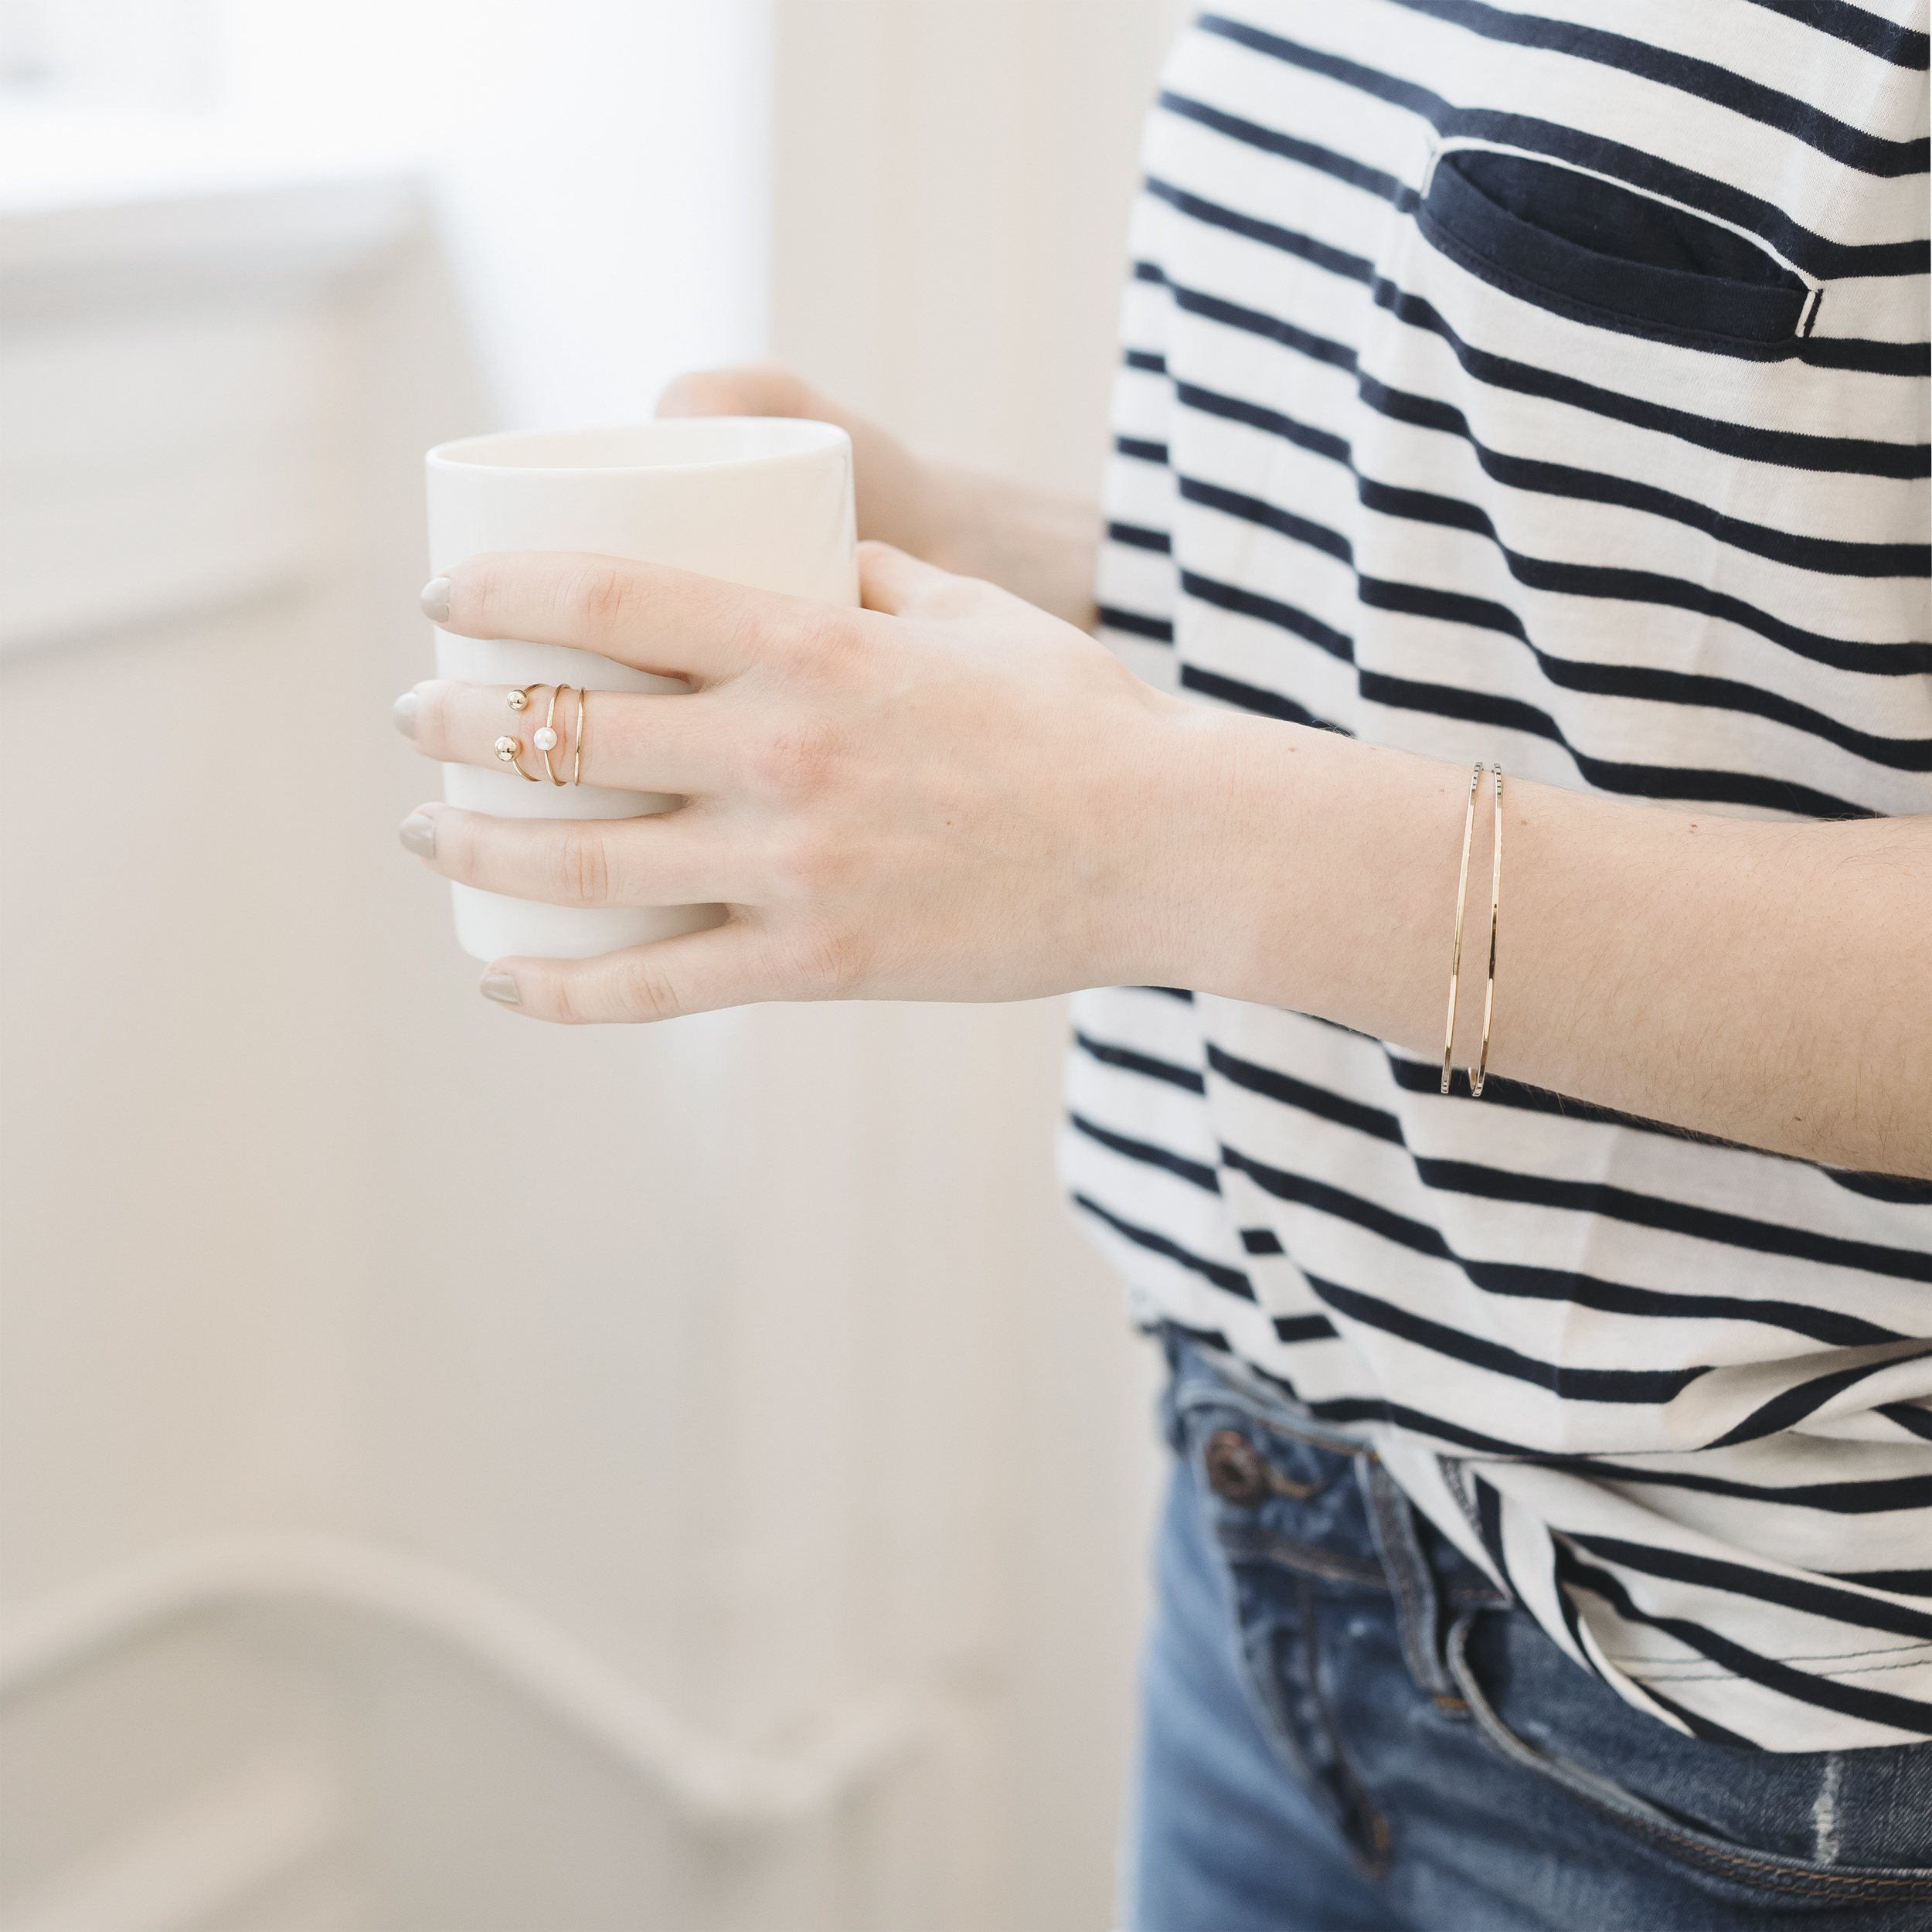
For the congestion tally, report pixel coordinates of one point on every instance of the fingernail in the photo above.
(405, 714)
(436, 600)
(418, 834)
(500, 986)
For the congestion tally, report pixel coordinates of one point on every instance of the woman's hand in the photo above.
(1039, 545)
(950, 794)
(947, 794)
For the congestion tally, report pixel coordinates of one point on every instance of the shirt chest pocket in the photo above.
(1597, 252)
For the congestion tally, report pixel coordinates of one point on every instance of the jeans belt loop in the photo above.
(1392, 1522)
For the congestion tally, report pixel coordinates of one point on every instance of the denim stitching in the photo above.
(1305, 1559)
(1809, 1885)
(1731, 1677)
(1796, 1657)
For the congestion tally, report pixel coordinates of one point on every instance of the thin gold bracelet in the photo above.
(1462, 895)
(1481, 1071)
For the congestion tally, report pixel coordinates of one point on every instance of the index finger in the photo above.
(674, 624)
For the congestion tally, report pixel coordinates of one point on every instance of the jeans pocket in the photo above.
(1718, 1862)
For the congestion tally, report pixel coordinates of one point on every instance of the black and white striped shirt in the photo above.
(1548, 382)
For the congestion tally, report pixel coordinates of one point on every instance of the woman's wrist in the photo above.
(1303, 869)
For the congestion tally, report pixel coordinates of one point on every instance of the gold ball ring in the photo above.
(517, 699)
(507, 749)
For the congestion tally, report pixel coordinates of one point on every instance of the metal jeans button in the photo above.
(1235, 1471)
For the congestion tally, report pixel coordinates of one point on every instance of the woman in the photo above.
(1518, 530)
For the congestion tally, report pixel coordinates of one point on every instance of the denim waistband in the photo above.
(1287, 1489)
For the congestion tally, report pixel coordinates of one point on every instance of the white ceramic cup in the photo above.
(763, 501)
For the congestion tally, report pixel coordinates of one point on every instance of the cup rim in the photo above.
(463, 454)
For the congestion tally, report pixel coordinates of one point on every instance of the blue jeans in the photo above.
(1347, 1725)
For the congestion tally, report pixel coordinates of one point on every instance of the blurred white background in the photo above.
(456, 1476)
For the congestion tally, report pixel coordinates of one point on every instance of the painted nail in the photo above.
(436, 600)
(418, 834)
(405, 714)
(500, 986)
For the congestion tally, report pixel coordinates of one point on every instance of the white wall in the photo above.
(751, 1359)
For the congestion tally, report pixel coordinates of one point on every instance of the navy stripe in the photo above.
(1857, 26)
(1234, 409)
(1489, 1528)
(1132, 1062)
(1283, 1087)
(1830, 1326)
(1785, 1411)
(1784, 449)
(1809, 1596)
(1510, 1279)
(1255, 322)
(1286, 617)
(1230, 1280)
(1828, 556)
(1304, 1327)
(1901, 1582)
(1833, 1327)
(1677, 1217)
(1824, 260)
(1289, 241)
(1873, 1707)
(1249, 697)
(1644, 1386)
(1681, 785)
(1136, 623)
(1877, 357)
(1880, 1496)
(1270, 140)
(1894, 659)
(1620, 585)
(1195, 1171)
(1251, 509)
(1870, 154)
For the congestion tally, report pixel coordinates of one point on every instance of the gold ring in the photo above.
(576, 760)
(545, 736)
(507, 749)
(519, 699)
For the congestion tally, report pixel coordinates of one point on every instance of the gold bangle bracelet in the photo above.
(1481, 1071)
(1455, 956)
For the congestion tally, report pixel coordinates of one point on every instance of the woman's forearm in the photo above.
(1768, 984)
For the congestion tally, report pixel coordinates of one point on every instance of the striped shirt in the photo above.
(1547, 382)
